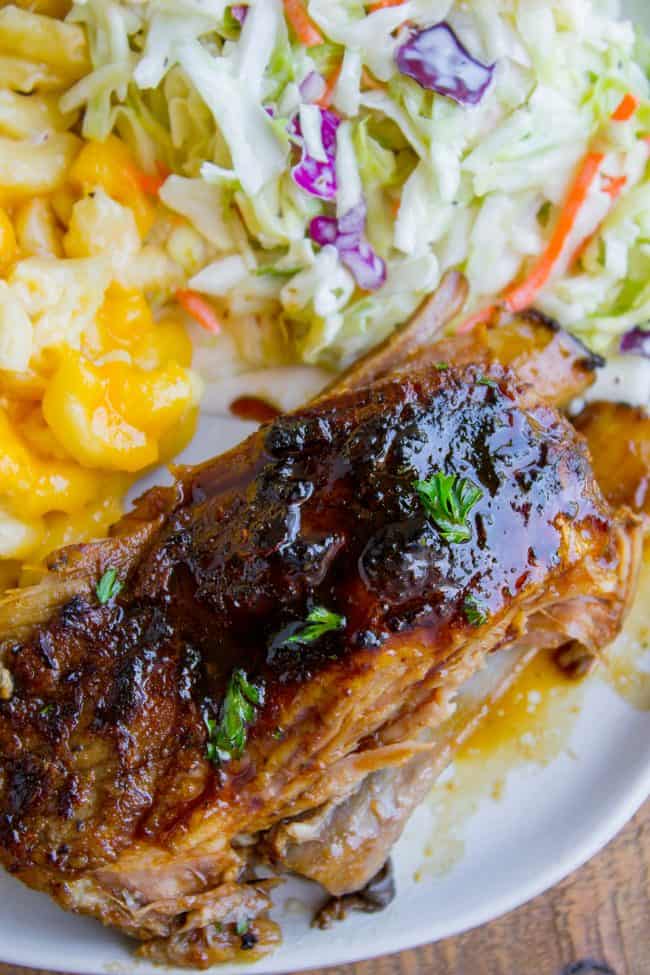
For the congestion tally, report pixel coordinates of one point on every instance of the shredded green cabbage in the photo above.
(446, 185)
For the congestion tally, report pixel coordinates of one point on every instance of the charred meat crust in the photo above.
(590, 360)
(619, 440)
(376, 896)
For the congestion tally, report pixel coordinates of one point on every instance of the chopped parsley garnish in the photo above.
(228, 736)
(108, 587)
(441, 366)
(486, 381)
(46, 709)
(319, 622)
(448, 500)
(474, 612)
(242, 927)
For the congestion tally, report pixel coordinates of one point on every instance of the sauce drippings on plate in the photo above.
(627, 669)
(532, 723)
(254, 409)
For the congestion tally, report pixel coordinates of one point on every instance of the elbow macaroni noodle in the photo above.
(94, 386)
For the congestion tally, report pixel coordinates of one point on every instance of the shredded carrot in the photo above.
(325, 99)
(200, 310)
(382, 4)
(370, 83)
(614, 185)
(521, 296)
(396, 206)
(305, 31)
(151, 183)
(478, 319)
(626, 108)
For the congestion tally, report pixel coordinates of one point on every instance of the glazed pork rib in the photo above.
(294, 619)
(344, 843)
(618, 436)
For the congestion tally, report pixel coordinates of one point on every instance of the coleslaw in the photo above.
(337, 157)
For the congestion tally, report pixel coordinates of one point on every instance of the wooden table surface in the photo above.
(597, 922)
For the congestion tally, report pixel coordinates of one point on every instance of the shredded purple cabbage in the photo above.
(314, 177)
(366, 267)
(636, 342)
(437, 60)
(239, 12)
(347, 235)
(353, 223)
(324, 230)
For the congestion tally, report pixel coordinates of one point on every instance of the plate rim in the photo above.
(359, 949)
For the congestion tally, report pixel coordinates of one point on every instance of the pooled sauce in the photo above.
(253, 408)
(532, 723)
(627, 668)
(520, 722)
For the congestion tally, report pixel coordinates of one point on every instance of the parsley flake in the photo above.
(46, 710)
(474, 612)
(448, 500)
(108, 587)
(227, 737)
(486, 381)
(319, 622)
(242, 927)
(442, 366)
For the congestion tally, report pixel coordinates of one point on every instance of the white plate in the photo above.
(550, 821)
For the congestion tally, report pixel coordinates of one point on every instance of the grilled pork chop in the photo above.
(294, 619)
